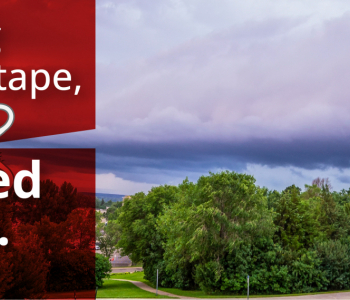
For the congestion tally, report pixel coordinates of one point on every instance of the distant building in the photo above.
(120, 261)
(126, 197)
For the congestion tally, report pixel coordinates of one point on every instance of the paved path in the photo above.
(328, 297)
(333, 296)
(147, 288)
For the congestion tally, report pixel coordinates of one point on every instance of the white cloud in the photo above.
(281, 177)
(129, 30)
(109, 183)
(255, 80)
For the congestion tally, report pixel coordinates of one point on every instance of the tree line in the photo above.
(211, 234)
(101, 204)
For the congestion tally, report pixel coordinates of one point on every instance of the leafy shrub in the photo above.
(103, 268)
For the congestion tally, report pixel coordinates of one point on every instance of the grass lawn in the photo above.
(138, 276)
(122, 289)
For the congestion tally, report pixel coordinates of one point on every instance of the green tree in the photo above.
(333, 218)
(114, 210)
(108, 237)
(210, 220)
(273, 197)
(342, 197)
(296, 222)
(140, 239)
(98, 217)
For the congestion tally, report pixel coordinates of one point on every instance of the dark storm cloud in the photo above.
(205, 155)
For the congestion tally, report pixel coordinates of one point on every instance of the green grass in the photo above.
(201, 294)
(123, 289)
(138, 276)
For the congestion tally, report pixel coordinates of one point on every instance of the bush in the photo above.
(102, 269)
(335, 258)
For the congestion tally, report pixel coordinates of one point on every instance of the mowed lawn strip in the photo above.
(123, 289)
(138, 276)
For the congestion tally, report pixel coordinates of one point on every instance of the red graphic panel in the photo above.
(56, 37)
(51, 238)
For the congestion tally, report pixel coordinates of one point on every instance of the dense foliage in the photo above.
(112, 211)
(213, 233)
(103, 268)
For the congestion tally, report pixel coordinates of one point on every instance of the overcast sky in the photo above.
(185, 87)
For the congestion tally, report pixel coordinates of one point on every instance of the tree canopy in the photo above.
(213, 233)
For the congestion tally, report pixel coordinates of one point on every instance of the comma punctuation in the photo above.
(19, 81)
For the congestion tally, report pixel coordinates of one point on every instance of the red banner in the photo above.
(47, 60)
(48, 220)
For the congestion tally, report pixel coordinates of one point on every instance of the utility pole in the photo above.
(157, 284)
(248, 287)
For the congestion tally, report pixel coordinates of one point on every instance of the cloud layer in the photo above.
(184, 87)
(265, 80)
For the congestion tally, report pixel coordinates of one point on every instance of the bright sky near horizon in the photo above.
(185, 87)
